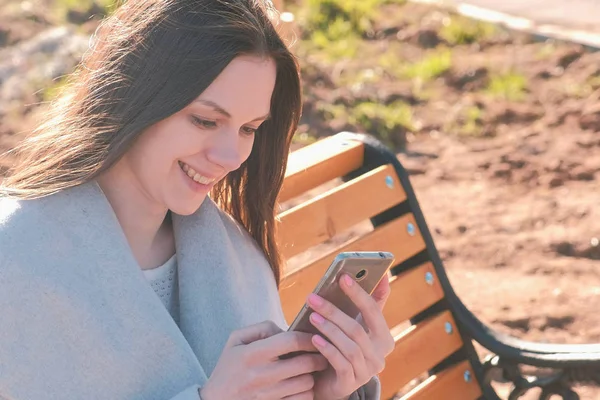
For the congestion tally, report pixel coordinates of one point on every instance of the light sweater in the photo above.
(163, 280)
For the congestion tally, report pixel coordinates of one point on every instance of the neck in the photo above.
(147, 226)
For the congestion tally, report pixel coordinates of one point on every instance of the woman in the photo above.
(108, 207)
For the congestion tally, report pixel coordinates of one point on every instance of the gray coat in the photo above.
(78, 319)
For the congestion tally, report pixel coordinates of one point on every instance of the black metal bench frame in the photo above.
(557, 367)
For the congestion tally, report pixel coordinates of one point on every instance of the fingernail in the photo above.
(317, 318)
(319, 341)
(348, 281)
(315, 300)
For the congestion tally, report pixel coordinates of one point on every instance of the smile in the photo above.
(195, 176)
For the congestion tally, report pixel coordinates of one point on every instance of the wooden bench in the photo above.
(350, 193)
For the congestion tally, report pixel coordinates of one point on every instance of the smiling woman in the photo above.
(137, 229)
(198, 146)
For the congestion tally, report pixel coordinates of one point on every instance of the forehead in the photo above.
(244, 88)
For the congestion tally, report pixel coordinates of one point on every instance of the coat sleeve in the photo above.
(370, 391)
(190, 393)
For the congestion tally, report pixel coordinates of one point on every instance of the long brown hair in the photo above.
(147, 61)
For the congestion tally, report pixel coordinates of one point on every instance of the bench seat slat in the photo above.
(297, 284)
(417, 350)
(318, 163)
(411, 294)
(340, 208)
(449, 384)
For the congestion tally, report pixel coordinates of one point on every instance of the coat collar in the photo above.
(72, 275)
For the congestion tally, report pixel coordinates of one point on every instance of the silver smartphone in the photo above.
(367, 268)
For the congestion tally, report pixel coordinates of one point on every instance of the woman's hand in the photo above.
(356, 353)
(250, 368)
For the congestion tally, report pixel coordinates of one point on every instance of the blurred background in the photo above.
(493, 106)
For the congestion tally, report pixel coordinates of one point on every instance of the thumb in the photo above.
(253, 333)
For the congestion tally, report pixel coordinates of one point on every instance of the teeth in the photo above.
(194, 175)
(202, 180)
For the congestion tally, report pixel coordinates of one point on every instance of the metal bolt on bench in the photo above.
(429, 278)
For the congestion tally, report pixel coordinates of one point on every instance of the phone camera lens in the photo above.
(361, 273)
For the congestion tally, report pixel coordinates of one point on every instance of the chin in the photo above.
(185, 209)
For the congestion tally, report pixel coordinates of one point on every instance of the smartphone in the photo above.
(367, 268)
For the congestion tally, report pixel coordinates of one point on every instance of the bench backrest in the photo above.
(350, 193)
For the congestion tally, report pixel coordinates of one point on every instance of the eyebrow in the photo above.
(224, 112)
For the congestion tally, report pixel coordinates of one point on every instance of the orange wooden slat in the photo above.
(449, 384)
(411, 294)
(318, 163)
(417, 350)
(392, 236)
(340, 208)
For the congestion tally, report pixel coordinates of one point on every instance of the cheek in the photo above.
(151, 167)
(153, 156)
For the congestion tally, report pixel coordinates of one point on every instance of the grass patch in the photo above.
(61, 8)
(508, 86)
(581, 90)
(392, 63)
(54, 90)
(472, 118)
(547, 50)
(361, 77)
(392, 116)
(335, 28)
(468, 122)
(337, 41)
(388, 122)
(431, 66)
(318, 15)
(459, 30)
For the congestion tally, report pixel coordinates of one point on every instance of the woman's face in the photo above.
(177, 161)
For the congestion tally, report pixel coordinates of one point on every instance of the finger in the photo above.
(351, 350)
(253, 333)
(342, 367)
(298, 365)
(370, 311)
(295, 386)
(382, 292)
(349, 336)
(308, 395)
(350, 327)
(283, 343)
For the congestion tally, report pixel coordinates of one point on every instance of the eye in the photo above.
(203, 123)
(249, 131)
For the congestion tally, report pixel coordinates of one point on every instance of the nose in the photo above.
(224, 151)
